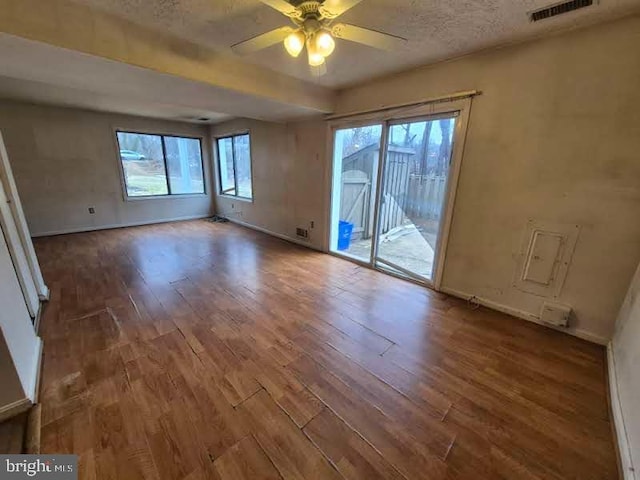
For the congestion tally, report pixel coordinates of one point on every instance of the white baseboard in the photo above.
(624, 449)
(88, 228)
(273, 234)
(590, 337)
(15, 408)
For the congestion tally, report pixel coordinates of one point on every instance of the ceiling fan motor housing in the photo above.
(310, 9)
(313, 9)
(311, 26)
(311, 17)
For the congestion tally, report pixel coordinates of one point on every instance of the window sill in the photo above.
(165, 197)
(233, 197)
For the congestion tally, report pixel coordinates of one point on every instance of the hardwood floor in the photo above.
(197, 350)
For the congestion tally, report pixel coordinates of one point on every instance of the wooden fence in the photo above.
(406, 196)
(356, 203)
(425, 196)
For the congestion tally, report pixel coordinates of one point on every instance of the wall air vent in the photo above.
(559, 9)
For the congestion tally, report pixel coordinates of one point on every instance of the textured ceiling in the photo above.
(436, 29)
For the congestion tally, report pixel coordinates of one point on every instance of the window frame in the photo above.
(220, 192)
(162, 135)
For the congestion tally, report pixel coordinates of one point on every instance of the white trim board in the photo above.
(624, 449)
(588, 336)
(15, 408)
(273, 234)
(65, 231)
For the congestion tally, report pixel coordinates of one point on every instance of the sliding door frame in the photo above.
(331, 138)
(382, 155)
(387, 118)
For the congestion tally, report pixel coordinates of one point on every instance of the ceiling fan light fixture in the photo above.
(294, 43)
(315, 29)
(315, 57)
(324, 43)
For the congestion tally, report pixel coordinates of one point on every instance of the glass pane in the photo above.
(225, 165)
(184, 161)
(356, 154)
(413, 194)
(242, 153)
(143, 164)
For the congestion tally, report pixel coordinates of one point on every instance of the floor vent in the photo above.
(302, 233)
(559, 9)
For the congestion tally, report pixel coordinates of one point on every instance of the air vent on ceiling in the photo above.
(559, 9)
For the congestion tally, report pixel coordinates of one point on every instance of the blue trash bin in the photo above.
(345, 229)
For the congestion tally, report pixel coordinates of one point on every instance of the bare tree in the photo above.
(423, 158)
(445, 146)
(361, 137)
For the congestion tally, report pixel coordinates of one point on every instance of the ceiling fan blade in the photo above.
(334, 8)
(262, 41)
(283, 7)
(366, 36)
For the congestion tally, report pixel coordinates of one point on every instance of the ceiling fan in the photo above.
(314, 28)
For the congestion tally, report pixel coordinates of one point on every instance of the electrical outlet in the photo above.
(92, 210)
(233, 206)
(313, 224)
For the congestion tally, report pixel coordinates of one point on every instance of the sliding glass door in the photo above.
(414, 186)
(391, 187)
(356, 157)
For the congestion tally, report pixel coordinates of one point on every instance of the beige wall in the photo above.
(555, 136)
(626, 350)
(65, 161)
(288, 167)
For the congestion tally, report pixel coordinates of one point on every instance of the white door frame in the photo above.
(16, 232)
(18, 256)
(463, 109)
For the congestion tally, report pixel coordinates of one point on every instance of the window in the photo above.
(234, 166)
(156, 165)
